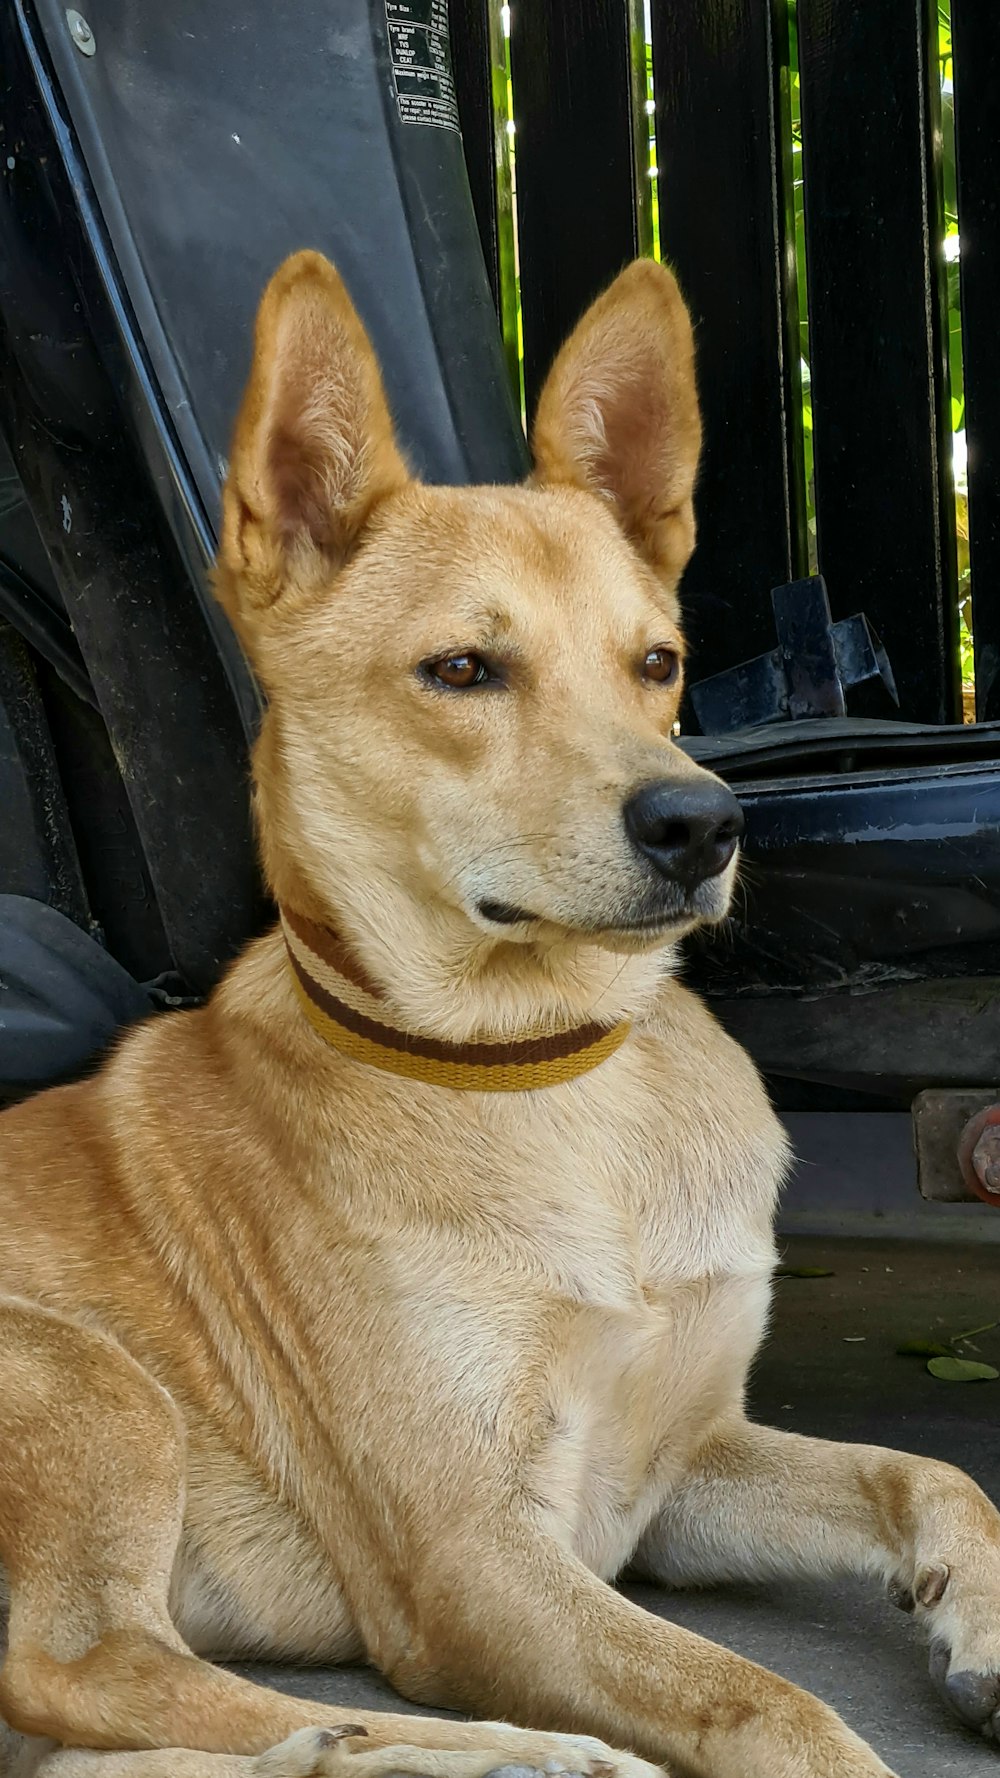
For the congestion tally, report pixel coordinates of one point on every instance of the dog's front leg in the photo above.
(759, 1503)
(518, 1626)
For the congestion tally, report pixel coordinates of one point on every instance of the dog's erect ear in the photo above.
(619, 413)
(313, 451)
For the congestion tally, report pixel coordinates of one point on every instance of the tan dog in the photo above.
(314, 1344)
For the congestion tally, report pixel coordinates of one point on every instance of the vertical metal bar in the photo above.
(976, 67)
(576, 173)
(723, 148)
(881, 418)
(645, 239)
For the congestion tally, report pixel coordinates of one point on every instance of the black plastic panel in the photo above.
(120, 893)
(37, 852)
(471, 50)
(65, 999)
(221, 138)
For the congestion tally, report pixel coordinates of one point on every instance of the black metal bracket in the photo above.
(815, 662)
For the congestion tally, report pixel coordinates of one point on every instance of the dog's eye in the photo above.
(459, 671)
(662, 665)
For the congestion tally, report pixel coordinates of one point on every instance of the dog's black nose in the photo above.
(689, 831)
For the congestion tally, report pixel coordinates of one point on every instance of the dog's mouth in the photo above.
(650, 925)
(501, 913)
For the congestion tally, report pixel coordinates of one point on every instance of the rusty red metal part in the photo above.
(979, 1155)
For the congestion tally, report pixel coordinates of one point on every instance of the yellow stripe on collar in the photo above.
(347, 1010)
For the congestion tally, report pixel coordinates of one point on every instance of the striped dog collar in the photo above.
(348, 1010)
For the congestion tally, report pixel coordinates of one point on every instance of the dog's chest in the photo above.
(648, 1350)
(610, 1275)
(627, 1398)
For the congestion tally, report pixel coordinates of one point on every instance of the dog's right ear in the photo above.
(313, 451)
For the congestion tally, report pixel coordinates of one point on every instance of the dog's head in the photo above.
(471, 691)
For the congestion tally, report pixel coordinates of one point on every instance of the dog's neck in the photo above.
(352, 1012)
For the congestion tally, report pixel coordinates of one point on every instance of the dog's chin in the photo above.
(639, 940)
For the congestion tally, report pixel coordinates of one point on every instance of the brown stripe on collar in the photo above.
(331, 949)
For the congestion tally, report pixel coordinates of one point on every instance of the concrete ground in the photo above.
(831, 1369)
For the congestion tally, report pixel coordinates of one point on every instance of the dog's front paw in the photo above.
(968, 1680)
(962, 1617)
(973, 1694)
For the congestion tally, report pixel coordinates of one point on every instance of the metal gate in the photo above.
(761, 106)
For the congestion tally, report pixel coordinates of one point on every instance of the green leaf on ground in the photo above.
(961, 1370)
(924, 1349)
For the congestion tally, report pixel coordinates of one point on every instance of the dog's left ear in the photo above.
(618, 414)
(313, 450)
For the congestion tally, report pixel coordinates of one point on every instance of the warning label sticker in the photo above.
(421, 62)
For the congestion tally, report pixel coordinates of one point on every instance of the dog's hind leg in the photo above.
(91, 1502)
